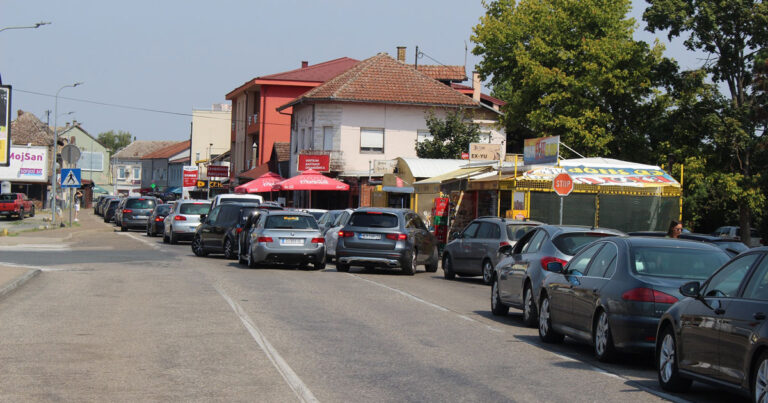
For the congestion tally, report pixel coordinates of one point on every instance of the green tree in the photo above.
(114, 141)
(570, 68)
(450, 136)
(731, 33)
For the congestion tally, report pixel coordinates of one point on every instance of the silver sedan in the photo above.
(286, 238)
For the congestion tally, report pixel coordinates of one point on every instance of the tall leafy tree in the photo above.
(115, 140)
(731, 33)
(570, 68)
(450, 136)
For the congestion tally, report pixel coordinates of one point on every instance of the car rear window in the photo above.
(734, 247)
(516, 231)
(194, 208)
(373, 219)
(695, 264)
(140, 203)
(7, 197)
(572, 242)
(290, 222)
(163, 210)
(238, 200)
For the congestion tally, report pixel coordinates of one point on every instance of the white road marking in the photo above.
(36, 247)
(152, 244)
(294, 382)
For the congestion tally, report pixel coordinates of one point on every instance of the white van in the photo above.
(235, 198)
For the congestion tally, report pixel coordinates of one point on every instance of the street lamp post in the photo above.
(55, 151)
(37, 25)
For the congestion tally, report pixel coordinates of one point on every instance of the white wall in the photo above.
(210, 127)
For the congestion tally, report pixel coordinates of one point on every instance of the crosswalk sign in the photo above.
(70, 178)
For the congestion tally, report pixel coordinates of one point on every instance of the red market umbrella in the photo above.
(264, 183)
(311, 180)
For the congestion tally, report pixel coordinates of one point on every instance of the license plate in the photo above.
(291, 241)
(370, 236)
(140, 217)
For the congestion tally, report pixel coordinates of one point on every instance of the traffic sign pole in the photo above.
(563, 186)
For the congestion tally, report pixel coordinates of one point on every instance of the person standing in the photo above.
(675, 228)
(78, 201)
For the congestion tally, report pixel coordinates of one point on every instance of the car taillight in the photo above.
(549, 259)
(397, 237)
(179, 218)
(318, 240)
(158, 219)
(643, 294)
(238, 230)
(126, 211)
(264, 239)
(346, 234)
(503, 243)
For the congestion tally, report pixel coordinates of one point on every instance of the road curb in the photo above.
(18, 282)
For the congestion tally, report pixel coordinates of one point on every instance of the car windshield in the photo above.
(7, 197)
(694, 264)
(140, 203)
(238, 200)
(572, 242)
(114, 203)
(317, 214)
(516, 231)
(373, 220)
(163, 210)
(290, 222)
(194, 208)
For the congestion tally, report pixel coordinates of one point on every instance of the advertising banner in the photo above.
(485, 152)
(190, 176)
(603, 176)
(319, 163)
(5, 125)
(218, 171)
(542, 150)
(27, 164)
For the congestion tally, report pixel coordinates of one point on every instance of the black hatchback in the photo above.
(386, 237)
(719, 333)
(219, 230)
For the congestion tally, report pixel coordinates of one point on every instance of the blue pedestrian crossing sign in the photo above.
(70, 178)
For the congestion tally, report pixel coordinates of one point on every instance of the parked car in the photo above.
(135, 212)
(613, 292)
(332, 233)
(730, 246)
(285, 237)
(102, 206)
(155, 222)
(317, 213)
(475, 251)
(248, 220)
(522, 269)
(96, 203)
(236, 198)
(110, 209)
(718, 333)
(119, 210)
(183, 220)
(386, 237)
(734, 232)
(217, 230)
(327, 219)
(16, 204)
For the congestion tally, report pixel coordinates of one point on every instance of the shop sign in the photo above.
(320, 163)
(190, 176)
(441, 205)
(542, 150)
(27, 164)
(382, 167)
(218, 171)
(485, 152)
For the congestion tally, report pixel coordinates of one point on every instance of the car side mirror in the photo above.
(456, 235)
(555, 267)
(691, 289)
(505, 250)
(203, 217)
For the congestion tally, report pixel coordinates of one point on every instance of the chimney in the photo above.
(304, 64)
(401, 54)
(19, 113)
(476, 86)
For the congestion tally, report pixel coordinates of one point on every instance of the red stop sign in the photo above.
(562, 184)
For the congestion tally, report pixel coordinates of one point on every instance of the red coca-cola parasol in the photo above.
(311, 180)
(264, 183)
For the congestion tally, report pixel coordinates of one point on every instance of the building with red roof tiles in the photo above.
(163, 167)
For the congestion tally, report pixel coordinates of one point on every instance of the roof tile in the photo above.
(169, 151)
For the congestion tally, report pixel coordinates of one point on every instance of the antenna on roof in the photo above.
(465, 55)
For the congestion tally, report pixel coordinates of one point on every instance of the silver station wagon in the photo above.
(286, 237)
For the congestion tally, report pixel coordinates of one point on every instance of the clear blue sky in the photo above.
(176, 56)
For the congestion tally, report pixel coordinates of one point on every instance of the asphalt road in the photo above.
(123, 317)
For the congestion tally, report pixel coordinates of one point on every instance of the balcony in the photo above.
(252, 124)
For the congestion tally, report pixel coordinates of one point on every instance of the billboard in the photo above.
(320, 163)
(5, 125)
(190, 176)
(27, 164)
(542, 150)
(218, 171)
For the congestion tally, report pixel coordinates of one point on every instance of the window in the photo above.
(121, 171)
(757, 288)
(516, 231)
(424, 135)
(290, 222)
(194, 208)
(676, 262)
(90, 161)
(535, 244)
(604, 264)
(137, 173)
(373, 219)
(486, 231)
(578, 264)
(214, 215)
(328, 138)
(471, 230)
(372, 140)
(726, 282)
(308, 140)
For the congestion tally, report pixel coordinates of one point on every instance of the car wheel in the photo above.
(666, 365)
(497, 307)
(123, 228)
(21, 215)
(448, 268)
(342, 267)
(529, 308)
(546, 333)
(32, 213)
(229, 252)
(240, 258)
(603, 339)
(431, 266)
(251, 262)
(165, 238)
(172, 238)
(487, 272)
(149, 234)
(197, 246)
(409, 264)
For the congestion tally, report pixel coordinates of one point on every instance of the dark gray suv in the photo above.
(136, 211)
(386, 237)
(475, 251)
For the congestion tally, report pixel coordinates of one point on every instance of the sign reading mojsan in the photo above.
(319, 163)
(484, 152)
(27, 164)
(542, 150)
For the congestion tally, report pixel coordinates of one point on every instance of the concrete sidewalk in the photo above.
(13, 276)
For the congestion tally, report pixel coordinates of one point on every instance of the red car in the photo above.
(16, 204)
